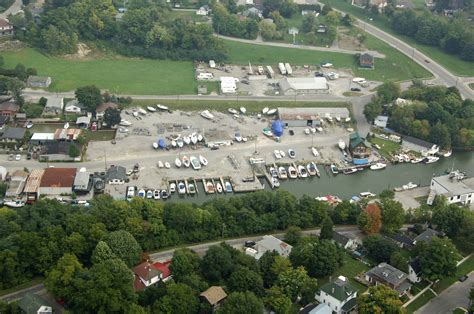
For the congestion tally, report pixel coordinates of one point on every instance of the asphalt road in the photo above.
(455, 296)
(19, 294)
(13, 9)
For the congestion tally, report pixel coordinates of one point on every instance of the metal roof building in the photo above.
(302, 117)
(304, 85)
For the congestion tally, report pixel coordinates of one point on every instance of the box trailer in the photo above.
(270, 72)
(282, 68)
(288, 68)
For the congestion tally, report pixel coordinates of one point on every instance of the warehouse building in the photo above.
(57, 181)
(228, 85)
(304, 117)
(304, 85)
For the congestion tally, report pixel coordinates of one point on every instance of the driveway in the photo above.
(455, 296)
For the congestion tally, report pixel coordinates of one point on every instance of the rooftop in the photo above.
(304, 83)
(418, 141)
(356, 140)
(83, 120)
(415, 265)
(116, 172)
(146, 271)
(270, 243)
(58, 177)
(427, 235)
(34, 180)
(38, 79)
(387, 273)
(106, 105)
(82, 179)
(67, 134)
(42, 137)
(4, 23)
(340, 288)
(31, 304)
(340, 238)
(14, 133)
(315, 308)
(453, 185)
(311, 113)
(9, 106)
(214, 295)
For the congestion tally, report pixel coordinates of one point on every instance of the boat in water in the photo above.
(195, 163)
(191, 188)
(291, 153)
(203, 160)
(172, 187)
(341, 144)
(275, 182)
(314, 168)
(273, 172)
(303, 173)
(417, 160)
(366, 194)
(430, 159)
(219, 187)
(311, 169)
(315, 152)
(334, 169)
(243, 110)
(232, 111)
(164, 194)
(349, 171)
(446, 154)
(178, 163)
(186, 161)
(149, 194)
(151, 109)
(181, 187)
(207, 115)
(228, 187)
(142, 193)
(282, 174)
(210, 187)
(14, 203)
(292, 172)
(156, 194)
(378, 166)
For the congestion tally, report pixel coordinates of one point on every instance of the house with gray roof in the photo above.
(11, 135)
(38, 81)
(269, 243)
(54, 106)
(34, 304)
(344, 241)
(385, 274)
(427, 235)
(116, 175)
(82, 182)
(339, 295)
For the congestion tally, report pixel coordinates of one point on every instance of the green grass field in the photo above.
(451, 62)
(422, 300)
(118, 75)
(350, 269)
(463, 269)
(459, 311)
(387, 147)
(395, 67)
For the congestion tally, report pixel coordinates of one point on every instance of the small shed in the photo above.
(38, 81)
(215, 295)
(366, 61)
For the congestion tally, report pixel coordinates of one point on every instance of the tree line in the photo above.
(434, 113)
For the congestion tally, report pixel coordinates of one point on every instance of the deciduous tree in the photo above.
(184, 263)
(393, 216)
(380, 299)
(241, 302)
(124, 246)
(370, 219)
(89, 96)
(438, 258)
(326, 229)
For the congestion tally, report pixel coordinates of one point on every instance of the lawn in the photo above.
(451, 62)
(422, 300)
(118, 75)
(459, 311)
(463, 269)
(350, 269)
(187, 15)
(387, 147)
(395, 67)
(102, 135)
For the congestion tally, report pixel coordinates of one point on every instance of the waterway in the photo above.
(345, 186)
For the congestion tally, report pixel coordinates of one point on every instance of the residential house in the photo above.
(428, 235)
(414, 271)
(315, 308)
(57, 181)
(13, 135)
(38, 81)
(16, 183)
(41, 138)
(34, 304)
(148, 274)
(6, 29)
(366, 61)
(359, 149)
(344, 241)
(215, 295)
(204, 10)
(269, 243)
(116, 175)
(339, 295)
(67, 134)
(3, 122)
(82, 182)
(385, 274)
(73, 106)
(100, 110)
(32, 185)
(54, 106)
(454, 187)
(9, 109)
(415, 144)
(401, 240)
(381, 121)
(84, 122)
(253, 12)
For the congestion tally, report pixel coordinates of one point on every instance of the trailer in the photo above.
(282, 68)
(270, 72)
(288, 68)
(205, 76)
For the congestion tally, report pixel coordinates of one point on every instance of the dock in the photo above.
(223, 185)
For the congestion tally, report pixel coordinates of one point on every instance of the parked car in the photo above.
(249, 243)
(28, 156)
(291, 132)
(18, 157)
(11, 157)
(355, 89)
(463, 278)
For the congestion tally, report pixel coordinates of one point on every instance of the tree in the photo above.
(292, 235)
(61, 280)
(217, 264)
(393, 216)
(265, 264)
(388, 92)
(345, 213)
(370, 219)
(465, 236)
(326, 9)
(295, 282)
(244, 279)
(74, 151)
(112, 117)
(380, 299)
(438, 258)
(373, 109)
(326, 229)
(448, 218)
(184, 263)
(124, 246)
(179, 298)
(277, 301)
(387, 194)
(43, 101)
(89, 96)
(399, 261)
(241, 302)
(378, 248)
(102, 253)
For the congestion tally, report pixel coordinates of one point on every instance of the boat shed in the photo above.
(82, 182)
(304, 85)
(32, 185)
(303, 117)
(41, 138)
(228, 85)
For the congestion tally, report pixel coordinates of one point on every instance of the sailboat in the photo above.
(271, 112)
(228, 187)
(314, 151)
(160, 164)
(311, 169)
(66, 125)
(187, 140)
(151, 109)
(181, 187)
(180, 143)
(265, 110)
(219, 187)
(167, 165)
(232, 111)
(334, 169)
(162, 107)
(378, 166)
(341, 145)
(194, 139)
(243, 110)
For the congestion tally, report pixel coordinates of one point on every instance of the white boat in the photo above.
(338, 119)
(162, 107)
(349, 171)
(319, 129)
(203, 160)
(66, 125)
(341, 145)
(186, 161)
(243, 110)
(191, 188)
(151, 109)
(431, 159)
(265, 110)
(122, 129)
(245, 139)
(167, 165)
(149, 194)
(180, 143)
(416, 160)
(348, 119)
(378, 166)
(315, 152)
(125, 123)
(181, 187)
(195, 163)
(267, 132)
(313, 130)
(306, 131)
(135, 114)
(142, 193)
(219, 187)
(277, 154)
(186, 140)
(194, 139)
(164, 194)
(228, 187)
(311, 169)
(29, 125)
(178, 162)
(291, 153)
(207, 115)
(282, 174)
(14, 203)
(334, 169)
(172, 187)
(271, 112)
(238, 137)
(200, 137)
(160, 164)
(232, 111)
(155, 145)
(282, 153)
(366, 194)
(273, 172)
(275, 182)
(292, 173)
(156, 194)
(447, 154)
(409, 186)
(173, 143)
(210, 187)
(303, 173)
(141, 111)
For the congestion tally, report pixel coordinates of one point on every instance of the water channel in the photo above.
(345, 186)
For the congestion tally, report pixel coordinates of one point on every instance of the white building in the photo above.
(339, 295)
(414, 271)
(73, 106)
(346, 242)
(454, 188)
(228, 85)
(310, 116)
(203, 11)
(381, 121)
(269, 243)
(304, 85)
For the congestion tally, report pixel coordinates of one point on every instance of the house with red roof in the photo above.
(147, 274)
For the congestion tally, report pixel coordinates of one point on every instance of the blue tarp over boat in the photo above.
(161, 143)
(277, 128)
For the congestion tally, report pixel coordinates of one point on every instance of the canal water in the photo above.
(345, 186)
